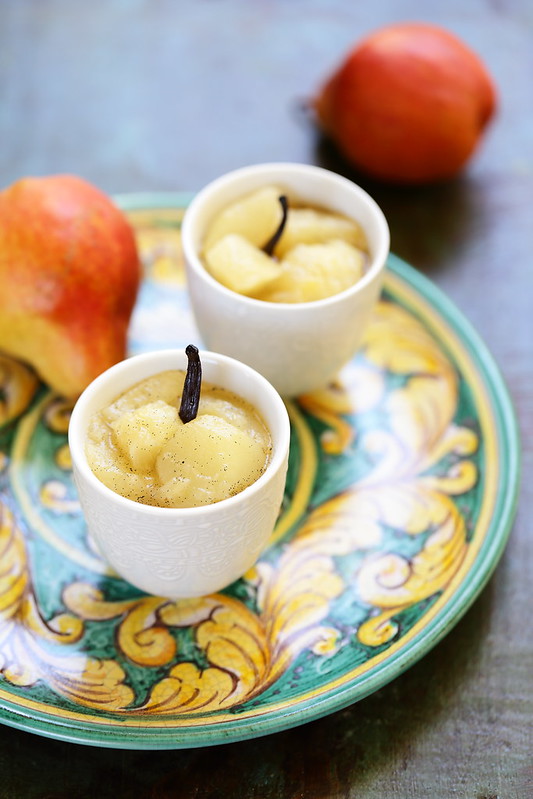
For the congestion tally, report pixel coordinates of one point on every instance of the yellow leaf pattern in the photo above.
(18, 384)
(25, 657)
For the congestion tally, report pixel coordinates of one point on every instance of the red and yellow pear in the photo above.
(409, 104)
(70, 272)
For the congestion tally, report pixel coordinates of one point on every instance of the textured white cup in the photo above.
(181, 552)
(297, 347)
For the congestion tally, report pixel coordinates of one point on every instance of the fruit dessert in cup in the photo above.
(175, 441)
(215, 467)
(271, 246)
(286, 286)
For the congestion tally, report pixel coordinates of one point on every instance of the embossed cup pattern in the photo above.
(182, 552)
(297, 347)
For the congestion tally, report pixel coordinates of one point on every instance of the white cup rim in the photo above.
(80, 414)
(379, 255)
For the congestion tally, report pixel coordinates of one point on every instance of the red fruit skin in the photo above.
(408, 105)
(70, 273)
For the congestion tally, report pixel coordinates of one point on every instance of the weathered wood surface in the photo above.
(143, 95)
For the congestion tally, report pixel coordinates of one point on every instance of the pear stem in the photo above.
(268, 248)
(190, 398)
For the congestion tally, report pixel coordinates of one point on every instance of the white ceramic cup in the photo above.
(298, 347)
(181, 552)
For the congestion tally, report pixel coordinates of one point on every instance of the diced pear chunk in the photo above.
(235, 415)
(256, 217)
(309, 226)
(207, 460)
(165, 386)
(141, 433)
(123, 481)
(240, 266)
(315, 271)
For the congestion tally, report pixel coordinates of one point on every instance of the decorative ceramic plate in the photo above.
(401, 491)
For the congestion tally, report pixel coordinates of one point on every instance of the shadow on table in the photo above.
(349, 749)
(430, 225)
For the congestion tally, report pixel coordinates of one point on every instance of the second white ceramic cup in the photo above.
(298, 347)
(181, 552)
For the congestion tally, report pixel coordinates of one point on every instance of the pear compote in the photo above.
(272, 247)
(140, 448)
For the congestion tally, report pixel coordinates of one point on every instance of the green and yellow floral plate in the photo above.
(402, 488)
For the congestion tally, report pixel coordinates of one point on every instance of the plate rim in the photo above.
(481, 569)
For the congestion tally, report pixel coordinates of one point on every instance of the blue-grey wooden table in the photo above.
(151, 95)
